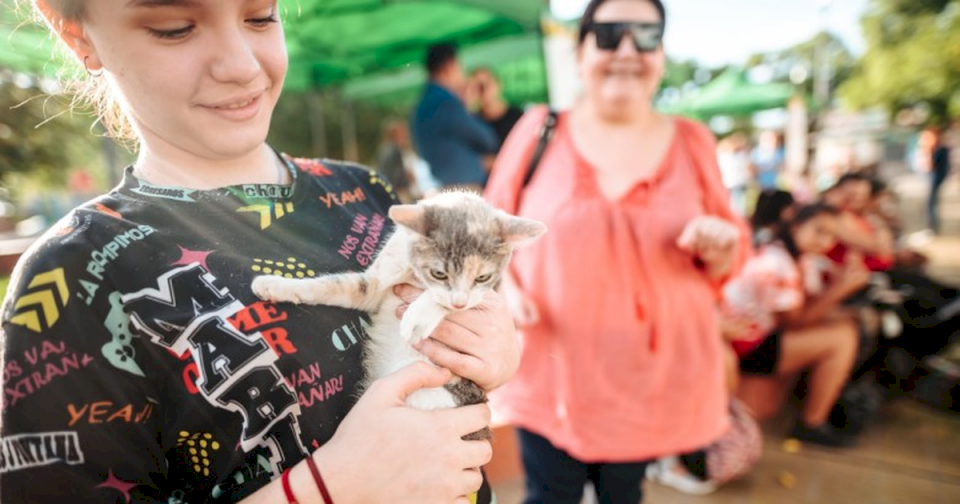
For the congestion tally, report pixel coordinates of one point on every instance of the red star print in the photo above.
(117, 484)
(188, 256)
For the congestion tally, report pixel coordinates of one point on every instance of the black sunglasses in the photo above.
(646, 36)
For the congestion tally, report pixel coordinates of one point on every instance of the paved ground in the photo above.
(910, 455)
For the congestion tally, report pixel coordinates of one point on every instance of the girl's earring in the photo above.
(87, 68)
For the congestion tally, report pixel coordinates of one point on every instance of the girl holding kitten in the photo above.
(140, 366)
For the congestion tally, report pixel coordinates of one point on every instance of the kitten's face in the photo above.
(461, 245)
(457, 283)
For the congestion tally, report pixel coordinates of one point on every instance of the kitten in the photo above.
(455, 246)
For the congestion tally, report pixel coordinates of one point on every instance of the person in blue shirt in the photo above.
(450, 139)
(767, 158)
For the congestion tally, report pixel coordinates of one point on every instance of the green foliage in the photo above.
(679, 72)
(911, 59)
(805, 55)
(34, 133)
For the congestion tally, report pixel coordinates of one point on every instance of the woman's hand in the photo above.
(713, 241)
(479, 344)
(384, 451)
(524, 309)
(734, 328)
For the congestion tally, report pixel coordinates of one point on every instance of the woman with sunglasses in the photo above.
(139, 366)
(622, 357)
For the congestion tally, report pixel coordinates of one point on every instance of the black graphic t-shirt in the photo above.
(139, 366)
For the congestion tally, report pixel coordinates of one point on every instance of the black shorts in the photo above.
(763, 359)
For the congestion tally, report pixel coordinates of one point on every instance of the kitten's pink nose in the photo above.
(459, 306)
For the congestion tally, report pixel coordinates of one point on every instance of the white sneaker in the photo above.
(669, 472)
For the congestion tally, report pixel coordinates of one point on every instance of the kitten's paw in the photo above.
(413, 332)
(272, 288)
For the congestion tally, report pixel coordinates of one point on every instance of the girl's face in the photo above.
(620, 80)
(198, 78)
(816, 235)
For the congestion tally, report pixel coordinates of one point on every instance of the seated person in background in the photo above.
(395, 160)
(871, 238)
(773, 207)
(883, 210)
(783, 332)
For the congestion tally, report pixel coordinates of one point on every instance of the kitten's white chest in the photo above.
(388, 352)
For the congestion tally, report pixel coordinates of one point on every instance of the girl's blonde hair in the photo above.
(86, 89)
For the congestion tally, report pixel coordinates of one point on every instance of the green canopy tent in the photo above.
(732, 94)
(337, 41)
(517, 61)
(360, 45)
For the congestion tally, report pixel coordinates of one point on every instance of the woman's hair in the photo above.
(771, 203)
(591, 10)
(805, 214)
(88, 90)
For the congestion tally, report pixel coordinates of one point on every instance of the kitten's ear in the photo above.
(518, 230)
(408, 216)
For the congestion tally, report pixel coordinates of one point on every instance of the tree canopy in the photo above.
(913, 50)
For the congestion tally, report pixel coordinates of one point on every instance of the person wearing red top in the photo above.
(870, 238)
(138, 364)
(622, 357)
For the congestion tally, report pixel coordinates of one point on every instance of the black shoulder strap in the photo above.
(546, 133)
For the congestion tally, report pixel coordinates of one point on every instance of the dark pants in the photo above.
(554, 477)
(936, 180)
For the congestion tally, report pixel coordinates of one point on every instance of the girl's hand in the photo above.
(713, 241)
(479, 344)
(384, 451)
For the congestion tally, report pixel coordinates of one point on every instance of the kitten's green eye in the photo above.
(483, 278)
(439, 275)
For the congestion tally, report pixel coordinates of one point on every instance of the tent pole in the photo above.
(318, 127)
(348, 125)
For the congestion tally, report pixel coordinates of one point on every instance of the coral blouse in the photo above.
(625, 364)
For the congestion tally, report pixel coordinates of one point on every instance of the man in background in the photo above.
(450, 139)
(490, 104)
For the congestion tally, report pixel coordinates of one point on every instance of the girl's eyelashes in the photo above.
(264, 21)
(174, 34)
(179, 33)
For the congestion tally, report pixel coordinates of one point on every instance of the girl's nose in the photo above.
(235, 57)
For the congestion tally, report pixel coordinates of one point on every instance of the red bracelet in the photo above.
(285, 480)
(319, 479)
